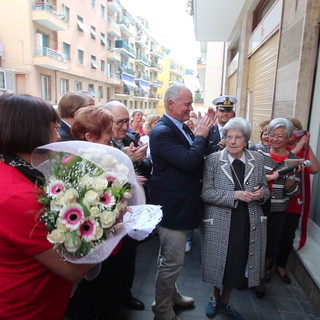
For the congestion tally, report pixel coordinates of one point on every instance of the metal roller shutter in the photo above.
(262, 74)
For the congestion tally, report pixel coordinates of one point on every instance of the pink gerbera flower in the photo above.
(87, 230)
(107, 199)
(55, 188)
(72, 216)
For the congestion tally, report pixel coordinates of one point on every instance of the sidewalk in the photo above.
(282, 301)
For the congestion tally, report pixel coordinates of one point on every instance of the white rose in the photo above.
(95, 211)
(91, 197)
(85, 181)
(56, 236)
(70, 245)
(55, 205)
(98, 232)
(61, 226)
(107, 219)
(99, 183)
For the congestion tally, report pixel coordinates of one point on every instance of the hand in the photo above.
(136, 154)
(257, 193)
(203, 127)
(142, 180)
(245, 196)
(222, 144)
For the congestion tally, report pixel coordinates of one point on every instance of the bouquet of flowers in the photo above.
(84, 203)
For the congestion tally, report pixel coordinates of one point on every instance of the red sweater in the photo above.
(28, 289)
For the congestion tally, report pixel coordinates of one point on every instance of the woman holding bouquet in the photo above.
(36, 282)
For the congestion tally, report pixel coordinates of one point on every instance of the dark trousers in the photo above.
(100, 298)
(275, 227)
(290, 226)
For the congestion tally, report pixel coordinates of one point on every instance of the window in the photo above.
(81, 27)
(102, 11)
(2, 80)
(66, 12)
(94, 62)
(100, 92)
(92, 3)
(103, 39)
(93, 32)
(80, 56)
(103, 66)
(66, 50)
(64, 86)
(45, 87)
(77, 86)
(261, 10)
(91, 90)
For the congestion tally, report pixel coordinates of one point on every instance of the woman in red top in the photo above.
(35, 281)
(137, 122)
(299, 204)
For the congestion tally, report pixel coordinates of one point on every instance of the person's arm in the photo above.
(69, 271)
(315, 167)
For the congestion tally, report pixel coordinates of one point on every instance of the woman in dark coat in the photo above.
(234, 229)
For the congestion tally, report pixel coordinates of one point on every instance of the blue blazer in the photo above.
(213, 140)
(177, 175)
(65, 132)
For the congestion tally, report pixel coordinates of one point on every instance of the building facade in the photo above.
(272, 67)
(53, 47)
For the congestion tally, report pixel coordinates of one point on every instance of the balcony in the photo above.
(113, 29)
(157, 84)
(125, 48)
(157, 53)
(154, 66)
(113, 78)
(113, 6)
(44, 13)
(114, 56)
(143, 42)
(142, 59)
(126, 28)
(50, 59)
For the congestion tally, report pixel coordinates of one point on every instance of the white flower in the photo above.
(85, 181)
(56, 236)
(100, 183)
(98, 232)
(107, 219)
(95, 211)
(91, 197)
(61, 225)
(72, 243)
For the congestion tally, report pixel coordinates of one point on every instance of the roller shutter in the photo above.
(262, 74)
(232, 84)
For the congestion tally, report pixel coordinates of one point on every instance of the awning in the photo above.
(144, 88)
(130, 84)
(81, 26)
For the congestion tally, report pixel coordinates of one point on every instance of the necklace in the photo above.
(237, 178)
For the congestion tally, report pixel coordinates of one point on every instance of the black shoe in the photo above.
(267, 277)
(284, 278)
(134, 304)
(259, 294)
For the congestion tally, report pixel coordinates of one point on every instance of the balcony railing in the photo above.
(41, 52)
(50, 7)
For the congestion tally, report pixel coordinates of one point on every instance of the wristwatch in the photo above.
(290, 177)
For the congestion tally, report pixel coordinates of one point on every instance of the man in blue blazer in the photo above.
(176, 185)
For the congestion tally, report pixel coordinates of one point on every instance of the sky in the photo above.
(171, 25)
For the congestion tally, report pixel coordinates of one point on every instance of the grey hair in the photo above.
(281, 123)
(136, 111)
(239, 124)
(173, 92)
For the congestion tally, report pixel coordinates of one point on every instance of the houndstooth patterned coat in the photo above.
(218, 198)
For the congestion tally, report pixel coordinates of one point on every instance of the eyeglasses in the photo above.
(121, 122)
(237, 138)
(276, 136)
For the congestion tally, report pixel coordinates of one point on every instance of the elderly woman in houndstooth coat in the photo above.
(233, 228)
